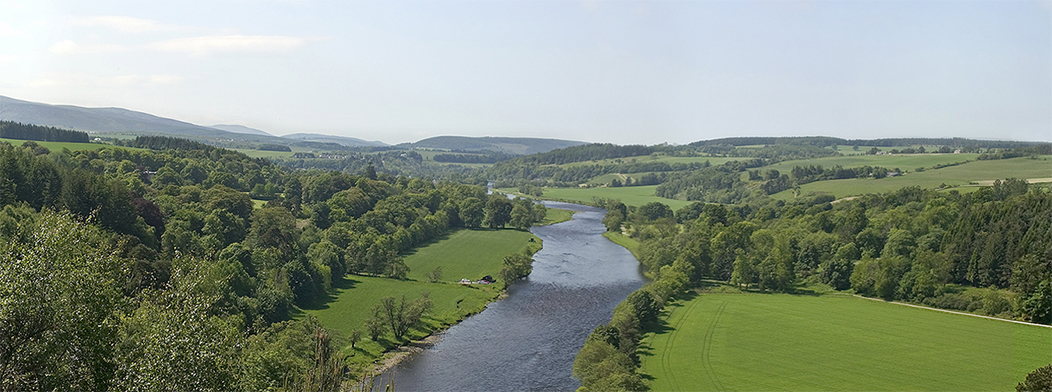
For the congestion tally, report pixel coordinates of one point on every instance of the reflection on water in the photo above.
(528, 341)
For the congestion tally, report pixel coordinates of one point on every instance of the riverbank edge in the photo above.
(398, 354)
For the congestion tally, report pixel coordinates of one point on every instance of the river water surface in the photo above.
(528, 340)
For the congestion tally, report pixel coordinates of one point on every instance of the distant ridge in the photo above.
(823, 141)
(341, 140)
(110, 120)
(507, 145)
(130, 122)
(239, 129)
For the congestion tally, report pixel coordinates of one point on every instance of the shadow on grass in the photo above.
(345, 283)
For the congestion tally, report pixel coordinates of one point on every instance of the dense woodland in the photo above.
(14, 130)
(154, 270)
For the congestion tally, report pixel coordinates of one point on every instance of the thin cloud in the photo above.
(251, 44)
(123, 24)
(70, 47)
(7, 58)
(82, 80)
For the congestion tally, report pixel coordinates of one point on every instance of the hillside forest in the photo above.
(180, 266)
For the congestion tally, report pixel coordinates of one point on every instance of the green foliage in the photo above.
(1038, 380)
(59, 302)
(14, 130)
(402, 315)
(516, 266)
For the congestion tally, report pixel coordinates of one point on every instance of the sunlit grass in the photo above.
(775, 342)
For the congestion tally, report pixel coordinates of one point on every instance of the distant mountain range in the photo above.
(507, 145)
(239, 129)
(117, 121)
(341, 140)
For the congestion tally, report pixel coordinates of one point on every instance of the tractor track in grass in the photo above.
(706, 348)
(666, 361)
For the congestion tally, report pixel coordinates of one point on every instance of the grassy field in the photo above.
(631, 195)
(469, 254)
(58, 146)
(835, 342)
(960, 175)
(463, 254)
(355, 297)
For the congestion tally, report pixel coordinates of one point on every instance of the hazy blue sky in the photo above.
(621, 72)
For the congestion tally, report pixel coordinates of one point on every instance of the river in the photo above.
(527, 341)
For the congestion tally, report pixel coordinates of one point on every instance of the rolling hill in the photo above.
(341, 140)
(507, 145)
(239, 129)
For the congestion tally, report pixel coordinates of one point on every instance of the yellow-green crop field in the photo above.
(779, 342)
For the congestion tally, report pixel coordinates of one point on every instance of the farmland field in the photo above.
(954, 176)
(835, 342)
(905, 162)
(630, 195)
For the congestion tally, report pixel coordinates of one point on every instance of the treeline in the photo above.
(915, 245)
(14, 130)
(1041, 149)
(163, 143)
(492, 157)
(176, 281)
(274, 147)
(720, 184)
(988, 252)
(811, 173)
(588, 152)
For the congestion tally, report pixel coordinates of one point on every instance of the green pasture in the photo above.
(555, 215)
(907, 162)
(960, 175)
(58, 146)
(469, 254)
(355, 296)
(630, 195)
(774, 342)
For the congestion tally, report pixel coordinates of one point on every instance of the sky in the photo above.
(624, 72)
